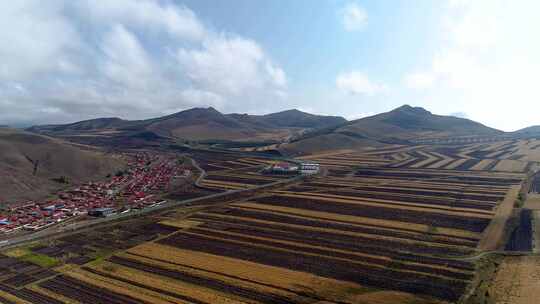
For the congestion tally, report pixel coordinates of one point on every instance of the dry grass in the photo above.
(532, 202)
(353, 234)
(441, 163)
(53, 295)
(164, 283)
(223, 277)
(391, 297)
(293, 280)
(456, 164)
(122, 288)
(517, 281)
(508, 165)
(12, 298)
(395, 205)
(482, 164)
(306, 246)
(182, 224)
(385, 201)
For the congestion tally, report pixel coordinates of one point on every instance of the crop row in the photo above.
(30, 296)
(86, 293)
(317, 244)
(135, 283)
(427, 175)
(433, 219)
(323, 266)
(210, 283)
(346, 241)
(343, 225)
(471, 194)
(460, 203)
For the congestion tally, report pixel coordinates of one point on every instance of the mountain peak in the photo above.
(200, 112)
(410, 109)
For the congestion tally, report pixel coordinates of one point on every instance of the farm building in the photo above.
(309, 168)
(101, 212)
(283, 168)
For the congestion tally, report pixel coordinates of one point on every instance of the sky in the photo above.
(63, 61)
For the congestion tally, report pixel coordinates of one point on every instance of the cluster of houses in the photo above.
(135, 188)
(305, 168)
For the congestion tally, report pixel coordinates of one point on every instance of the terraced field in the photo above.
(379, 226)
(505, 156)
(233, 172)
(239, 179)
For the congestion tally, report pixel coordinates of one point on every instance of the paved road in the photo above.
(201, 170)
(60, 229)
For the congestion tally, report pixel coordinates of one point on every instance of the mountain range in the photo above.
(205, 124)
(293, 130)
(76, 150)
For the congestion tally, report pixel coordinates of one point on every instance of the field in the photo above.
(233, 172)
(504, 156)
(383, 226)
(516, 281)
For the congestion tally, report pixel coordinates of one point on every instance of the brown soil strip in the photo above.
(495, 230)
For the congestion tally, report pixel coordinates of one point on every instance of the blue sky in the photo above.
(63, 61)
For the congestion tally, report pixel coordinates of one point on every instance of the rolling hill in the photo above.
(299, 119)
(399, 126)
(29, 163)
(532, 130)
(408, 122)
(203, 124)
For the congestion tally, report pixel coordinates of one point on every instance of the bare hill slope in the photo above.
(23, 153)
(397, 126)
(196, 124)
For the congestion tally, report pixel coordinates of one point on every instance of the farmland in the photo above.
(389, 225)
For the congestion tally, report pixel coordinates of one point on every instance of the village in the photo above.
(137, 187)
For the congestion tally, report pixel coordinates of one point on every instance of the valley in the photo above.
(393, 222)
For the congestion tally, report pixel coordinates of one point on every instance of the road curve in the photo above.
(60, 230)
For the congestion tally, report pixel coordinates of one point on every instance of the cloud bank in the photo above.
(69, 60)
(356, 82)
(487, 63)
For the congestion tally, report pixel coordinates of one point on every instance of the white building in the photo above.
(309, 168)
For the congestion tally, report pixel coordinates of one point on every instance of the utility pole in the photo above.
(36, 165)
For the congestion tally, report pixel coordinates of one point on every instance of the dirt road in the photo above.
(495, 230)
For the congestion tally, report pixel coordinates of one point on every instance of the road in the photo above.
(201, 170)
(60, 230)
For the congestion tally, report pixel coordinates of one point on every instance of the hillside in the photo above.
(86, 125)
(299, 119)
(408, 122)
(204, 124)
(397, 126)
(528, 130)
(20, 151)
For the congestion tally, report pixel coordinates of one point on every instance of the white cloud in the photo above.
(176, 20)
(488, 61)
(134, 59)
(356, 82)
(231, 65)
(227, 65)
(32, 40)
(419, 80)
(354, 17)
(126, 60)
(277, 74)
